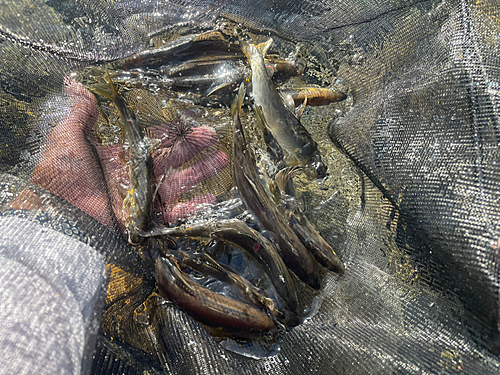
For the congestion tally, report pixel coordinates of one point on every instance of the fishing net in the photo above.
(410, 202)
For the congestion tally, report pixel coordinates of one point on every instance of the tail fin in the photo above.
(248, 50)
(263, 47)
(251, 49)
(109, 91)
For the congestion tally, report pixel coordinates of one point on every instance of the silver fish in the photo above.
(137, 205)
(278, 119)
(295, 255)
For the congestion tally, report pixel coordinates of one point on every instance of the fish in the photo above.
(197, 63)
(221, 64)
(215, 77)
(137, 205)
(206, 306)
(254, 244)
(203, 263)
(282, 70)
(251, 190)
(218, 76)
(222, 80)
(223, 74)
(206, 42)
(153, 56)
(203, 65)
(300, 224)
(284, 126)
(312, 96)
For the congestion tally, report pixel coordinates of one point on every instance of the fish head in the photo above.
(317, 245)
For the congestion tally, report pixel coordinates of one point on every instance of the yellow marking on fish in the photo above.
(128, 202)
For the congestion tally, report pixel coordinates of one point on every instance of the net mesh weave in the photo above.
(411, 203)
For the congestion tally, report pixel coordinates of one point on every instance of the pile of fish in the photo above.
(278, 237)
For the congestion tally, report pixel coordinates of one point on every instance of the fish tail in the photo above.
(251, 49)
(248, 50)
(114, 93)
(263, 47)
(109, 91)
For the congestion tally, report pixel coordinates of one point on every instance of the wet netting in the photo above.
(410, 201)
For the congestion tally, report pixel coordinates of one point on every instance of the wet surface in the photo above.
(179, 97)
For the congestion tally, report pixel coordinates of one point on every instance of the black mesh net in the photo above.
(410, 203)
